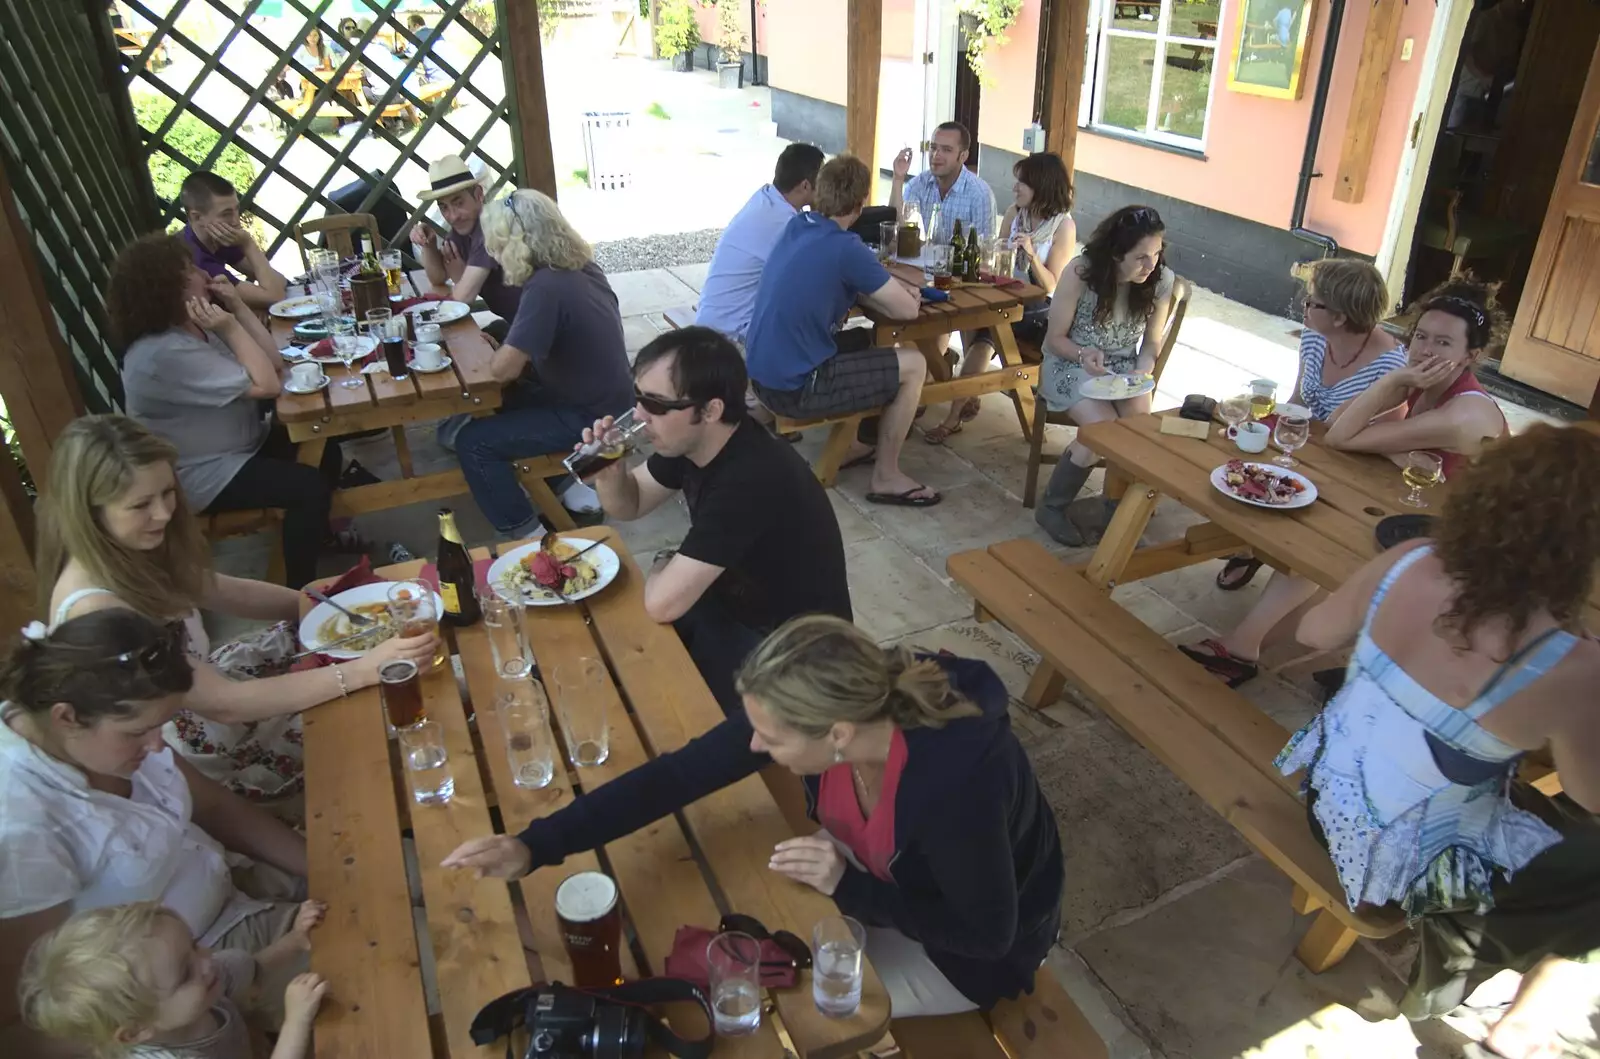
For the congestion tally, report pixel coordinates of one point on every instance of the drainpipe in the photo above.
(755, 56)
(1308, 164)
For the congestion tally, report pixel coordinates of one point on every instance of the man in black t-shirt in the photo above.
(763, 544)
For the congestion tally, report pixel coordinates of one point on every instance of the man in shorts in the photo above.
(816, 272)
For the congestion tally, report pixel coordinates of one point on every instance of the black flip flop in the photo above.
(1217, 660)
(859, 461)
(1397, 529)
(1238, 563)
(905, 499)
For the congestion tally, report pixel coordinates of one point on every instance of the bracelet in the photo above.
(344, 689)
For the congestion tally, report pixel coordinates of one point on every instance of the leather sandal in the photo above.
(1215, 657)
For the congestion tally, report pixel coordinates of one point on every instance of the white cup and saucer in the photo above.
(1252, 437)
(306, 377)
(429, 333)
(428, 357)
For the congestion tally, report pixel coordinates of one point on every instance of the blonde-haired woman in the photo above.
(115, 531)
(936, 835)
(564, 362)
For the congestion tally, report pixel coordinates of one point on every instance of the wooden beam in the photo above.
(1065, 28)
(18, 585)
(36, 381)
(1366, 100)
(863, 62)
(525, 82)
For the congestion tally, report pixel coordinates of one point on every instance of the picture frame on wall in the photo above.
(1269, 53)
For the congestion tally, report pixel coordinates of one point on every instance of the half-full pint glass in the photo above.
(591, 929)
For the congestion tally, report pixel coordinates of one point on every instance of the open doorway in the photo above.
(968, 88)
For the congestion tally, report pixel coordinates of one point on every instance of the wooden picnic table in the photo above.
(684, 869)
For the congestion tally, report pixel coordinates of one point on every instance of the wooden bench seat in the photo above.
(248, 523)
(1211, 737)
(532, 472)
(1044, 1024)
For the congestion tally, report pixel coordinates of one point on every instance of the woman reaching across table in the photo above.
(1470, 654)
(115, 532)
(1433, 403)
(1108, 315)
(936, 834)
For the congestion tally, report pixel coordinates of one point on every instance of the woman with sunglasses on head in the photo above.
(96, 810)
(1434, 403)
(936, 835)
(1108, 316)
(564, 363)
(115, 532)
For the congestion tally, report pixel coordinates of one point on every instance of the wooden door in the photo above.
(1555, 340)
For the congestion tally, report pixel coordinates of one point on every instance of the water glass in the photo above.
(524, 715)
(1291, 432)
(1233, 411)
(347, 347)
(503, 622)
(888, 241)
(837, 944)
(427, 764)
(733, 963)
(581, 687)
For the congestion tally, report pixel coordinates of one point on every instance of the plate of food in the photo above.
(445, 312)
(550, 572)
(323, 624)
(296, 308)
(1117, 386)
(1264, 485)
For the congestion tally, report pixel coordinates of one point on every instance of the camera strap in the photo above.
(501, 1016)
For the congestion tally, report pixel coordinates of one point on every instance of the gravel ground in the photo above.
(657, 251)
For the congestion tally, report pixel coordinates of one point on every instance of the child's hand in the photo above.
(310, 914)
(303, 996)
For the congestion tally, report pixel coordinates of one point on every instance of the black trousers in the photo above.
(719, 644)
(272, 478)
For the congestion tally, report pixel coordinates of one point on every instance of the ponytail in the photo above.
(816, 671)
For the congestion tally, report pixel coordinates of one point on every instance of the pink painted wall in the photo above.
(705, 16)
(1253, 144)
(805, 44)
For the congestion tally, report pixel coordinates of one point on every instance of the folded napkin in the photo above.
(405, 303)
(325, 349)
(1003, 282)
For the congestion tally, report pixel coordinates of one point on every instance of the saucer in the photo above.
(290, 387)
(443, 366)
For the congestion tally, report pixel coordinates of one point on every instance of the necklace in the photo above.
(1359, 350)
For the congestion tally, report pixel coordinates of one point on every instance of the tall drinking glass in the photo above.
(392, 269)
(347, 347)
(595, 456)
(1291, 432)
(400, 690)
(503, 622)
(524, 715)
(888, 241)
(733, 962)
(591, 929)
(836, 946)
(412, 609)
(427, 763)
(581, 687)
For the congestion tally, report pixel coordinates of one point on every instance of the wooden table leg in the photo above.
(1325, 944)
(1006, 342)
(402, 451)
(840, 436)
(310, 452)
(1122, 535)
(938, 367)
(1045, 687)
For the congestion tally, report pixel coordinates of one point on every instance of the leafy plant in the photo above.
(731, 37)
(656, 110)
(993, 17)
(193, 138)
(481, 14)
(677, 31)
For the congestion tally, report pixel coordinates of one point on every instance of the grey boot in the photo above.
(1065, 483)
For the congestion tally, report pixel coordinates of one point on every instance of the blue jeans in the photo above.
(530, 422)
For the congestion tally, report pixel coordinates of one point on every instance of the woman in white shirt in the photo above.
(96, 810)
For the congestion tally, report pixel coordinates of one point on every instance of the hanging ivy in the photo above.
(993, 18)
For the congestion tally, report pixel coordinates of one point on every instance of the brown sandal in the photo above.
(970, 410)
(940, 434)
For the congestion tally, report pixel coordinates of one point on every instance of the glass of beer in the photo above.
(401, 692)
(413, 611)
(938, 257)
(392, 269)
(592, 457)
(591, 929)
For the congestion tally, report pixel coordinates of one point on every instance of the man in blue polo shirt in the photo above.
(816, 272)
(221, 245)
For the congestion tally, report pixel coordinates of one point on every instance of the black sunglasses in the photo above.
(796, 949)
(660, 406)
(160, 657)
(1141, 215)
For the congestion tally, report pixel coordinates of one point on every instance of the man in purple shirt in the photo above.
(220, 243)
(460, 259)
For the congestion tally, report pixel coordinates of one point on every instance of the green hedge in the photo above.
(194, 139)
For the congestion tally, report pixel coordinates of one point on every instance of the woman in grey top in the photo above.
(1108, 316)
(196, 364)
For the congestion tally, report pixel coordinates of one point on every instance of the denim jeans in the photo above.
(530, 422)
(718, 643)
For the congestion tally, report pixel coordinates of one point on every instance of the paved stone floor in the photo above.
(1179, 941)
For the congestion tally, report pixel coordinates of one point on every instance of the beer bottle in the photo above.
(958, 248)
(456, 581)
(369, 256)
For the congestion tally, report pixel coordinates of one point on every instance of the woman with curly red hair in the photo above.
(1469, 655)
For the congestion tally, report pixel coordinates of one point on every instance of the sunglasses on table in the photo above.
(796, 949)
(659, 406)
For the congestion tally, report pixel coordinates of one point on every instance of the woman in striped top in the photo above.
(1343, 350)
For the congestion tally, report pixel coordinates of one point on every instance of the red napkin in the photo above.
(405, 303)
(480, 574)
(358, 575)
(324, 348)
(1004, 282)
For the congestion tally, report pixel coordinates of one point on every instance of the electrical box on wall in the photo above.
(1033, 138)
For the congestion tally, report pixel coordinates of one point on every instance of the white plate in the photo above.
(449, 312)
(1305, 499)
(602, 558)
(443, 365)
(290, 386)
(1099, 388)
(366, 344)
(377, 592)
(296, 308)
(1286, 409)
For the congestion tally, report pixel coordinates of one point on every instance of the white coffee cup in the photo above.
(306, 374)
(427, 355)
(1253, 437)
(428, 332)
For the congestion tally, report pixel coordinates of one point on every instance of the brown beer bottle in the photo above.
(456, 582)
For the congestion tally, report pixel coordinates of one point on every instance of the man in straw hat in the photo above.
(460, 257)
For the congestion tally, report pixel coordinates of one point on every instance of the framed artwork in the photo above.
(1269, 54)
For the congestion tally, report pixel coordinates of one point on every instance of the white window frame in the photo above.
(1091, 100)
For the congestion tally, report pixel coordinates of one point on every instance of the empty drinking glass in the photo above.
(1291, 432)
(836, 947)
(1233, 411)
(733, 963)
(427, 764)
(581, 687)
(503, 622)
(888, 241)
(347, 347)
(524, 715)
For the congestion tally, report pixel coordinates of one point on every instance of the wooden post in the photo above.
(1065, 29)
(1366, 99)
(36, 380)
(18, 586)
(863, 62)
(525, 82)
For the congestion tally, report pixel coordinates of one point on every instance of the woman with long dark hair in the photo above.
(1107, 317)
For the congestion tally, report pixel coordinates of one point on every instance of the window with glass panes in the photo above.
(1150, 66)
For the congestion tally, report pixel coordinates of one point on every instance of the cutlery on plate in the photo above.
(359, 619)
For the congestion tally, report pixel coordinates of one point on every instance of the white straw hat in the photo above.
(446, 177)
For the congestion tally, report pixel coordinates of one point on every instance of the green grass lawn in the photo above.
(1185, 82)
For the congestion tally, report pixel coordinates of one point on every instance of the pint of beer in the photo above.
(591, 929)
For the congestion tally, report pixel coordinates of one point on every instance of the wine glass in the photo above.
(1291, 432)
(1233, 411)
(346, 346)
(1422, 470)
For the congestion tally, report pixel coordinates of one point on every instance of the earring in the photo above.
(838, 756)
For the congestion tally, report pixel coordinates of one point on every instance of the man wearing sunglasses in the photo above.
(763, 543)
